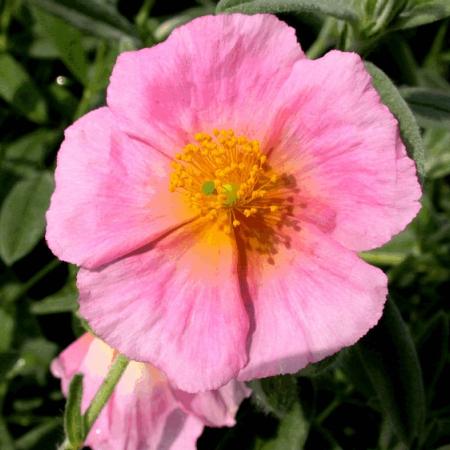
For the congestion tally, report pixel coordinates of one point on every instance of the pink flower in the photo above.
(144, 411)
(217, 203)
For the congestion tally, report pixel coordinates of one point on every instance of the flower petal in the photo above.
(316, 298)
(112, 194)
(176, 305)
(344, 148)
(215, 72)
(215, 408)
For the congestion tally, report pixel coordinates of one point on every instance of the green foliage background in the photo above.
(388, 391)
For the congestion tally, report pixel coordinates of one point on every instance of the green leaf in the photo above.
(7, 363)
(18, 89)
(433, 349)
(395, 251)
(408, 126)
(420, 12)
(167, 26)
(67, 40)
(38, 437)
(340, 9)
(379, 14)
(276, 395)
(36, 356)
(62, 100)
(6, 442)
(431, 106)
(292, 432)
(93, 16)
(390, 359)
(31, 148)
(437, 143)
(353, 368)
(63, 301)
(22, 217)
(6, 330)
(73, 419)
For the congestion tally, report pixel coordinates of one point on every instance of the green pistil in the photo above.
(231, 191)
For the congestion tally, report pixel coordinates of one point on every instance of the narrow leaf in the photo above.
(395, 251)
(63, 301)
(420, 12)
(18, 89)
(7, 362)
(340, 9)
(67, 40)
(31, 148)
(390, 359)
(431, 106)
(39, 436)
(6, 441)
(437, 143)
(22, 217)
(73, 419)
(93, 16)
(408, 126)
(6, 330)
(433, 347)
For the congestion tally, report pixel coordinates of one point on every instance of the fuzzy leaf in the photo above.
(340, 9)
(431, 106)
(31, 148)
(389, 356)
(437, 143)
(22, 220)
(433, 349)
(420, 12)
(73, 419)
(63, 301)
(408, 126)
(93, 16)
(18, 89)
(67, 40)
(6, 330)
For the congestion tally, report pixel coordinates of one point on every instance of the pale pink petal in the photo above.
(343, 146)
(316, 298)
(70, 360)
(142, 412)
(215, 72)
(176, 305)
(215, 408)
(112, 194)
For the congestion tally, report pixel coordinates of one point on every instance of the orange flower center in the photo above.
(226, 178)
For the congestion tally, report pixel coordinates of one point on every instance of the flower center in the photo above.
(226, 178)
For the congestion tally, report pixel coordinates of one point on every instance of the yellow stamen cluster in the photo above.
(226, 178)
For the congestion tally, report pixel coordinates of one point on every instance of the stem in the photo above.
(104, 392)
(328, 410)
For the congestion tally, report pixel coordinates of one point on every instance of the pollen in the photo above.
(227, 178)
